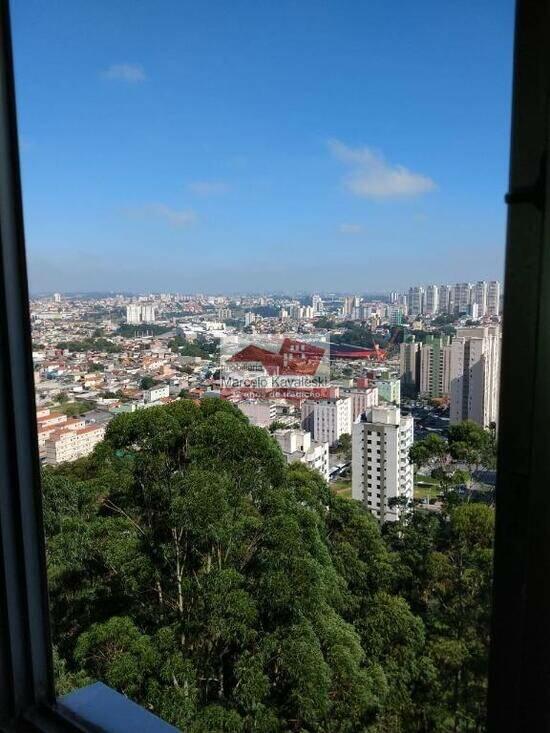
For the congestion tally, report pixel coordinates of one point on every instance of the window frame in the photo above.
(519, 665)
(520, 647)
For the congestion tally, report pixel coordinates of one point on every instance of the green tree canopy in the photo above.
(192, 569)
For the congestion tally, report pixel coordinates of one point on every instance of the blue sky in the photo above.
(276, 145)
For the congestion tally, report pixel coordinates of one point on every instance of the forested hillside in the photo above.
(194, 571)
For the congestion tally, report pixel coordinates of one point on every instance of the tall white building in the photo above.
(381, 469)
(327, 419)
(475, 375)
(493, 298)
(133, 313)
(297, 446)
(431, 300)
(317, 304)
(461, 297)
(416, 301)
(479, 298)
(148, 314)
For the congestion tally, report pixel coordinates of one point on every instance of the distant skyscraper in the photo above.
(475, 375)
(461, 298)
(493, 298)
(317, 304)
(133, 313)
(348, 305)
(479, 297)
(444, 298)
(416, 301)
(395, 314)
(435, 366)
(381, 470)
(431, 300)
(57, 297)
(148, 314)
(394, 296)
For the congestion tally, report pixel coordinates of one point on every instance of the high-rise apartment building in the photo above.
(461, 297)
(445, 298)
(479, 298)
(416, 301)
(327, 419)
(317, 304)
(136, 313)
(493, 298)
(348, 305)
(475, 375)
(381, 469)
(409, 364)
(148, 314)
(133, 313)
(435, 367)
(431, 300)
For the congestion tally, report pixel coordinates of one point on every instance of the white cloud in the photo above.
(208, 188)
(371, 176)
(130, 73)
(175, 217)
(350, 228)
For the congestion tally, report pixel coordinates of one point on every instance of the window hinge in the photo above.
(534, 194)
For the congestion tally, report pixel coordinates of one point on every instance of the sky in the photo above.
(262, 145)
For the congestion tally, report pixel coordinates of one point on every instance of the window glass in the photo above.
(265, 251)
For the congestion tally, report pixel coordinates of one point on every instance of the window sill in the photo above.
(96, 709)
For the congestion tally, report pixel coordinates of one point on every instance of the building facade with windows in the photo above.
(479, 298)
(461, 298)
(68, 445)
(475, 375)
(444, 298)
(409, 364)
(327, 419)
(431, 300)
(493, 298)
(381, 469)
(298, 447)
(435, 367)
(416, 301)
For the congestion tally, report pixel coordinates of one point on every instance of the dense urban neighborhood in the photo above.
(266, 513)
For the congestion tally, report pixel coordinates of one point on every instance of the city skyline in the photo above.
(264, 150)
